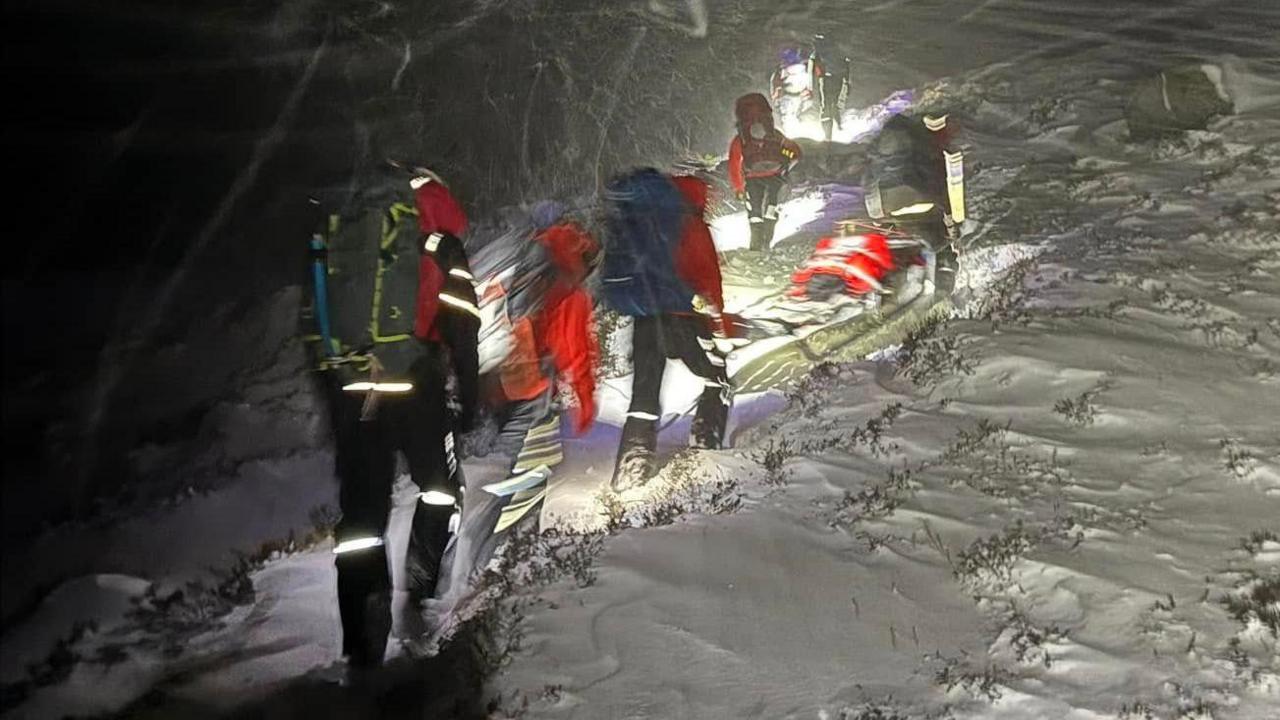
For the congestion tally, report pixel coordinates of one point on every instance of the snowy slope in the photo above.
(1069, 505)
(1056, 505)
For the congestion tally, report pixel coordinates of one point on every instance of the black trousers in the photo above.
(763, 200)
(681, 337)
(417, 425)
(830, 87)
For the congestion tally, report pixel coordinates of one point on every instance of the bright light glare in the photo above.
(437, 497)
(391, 387)
(913, 209)
(795, 128)
(347, 546)
(733, 232)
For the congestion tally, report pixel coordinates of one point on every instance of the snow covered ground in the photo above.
(1061, 503)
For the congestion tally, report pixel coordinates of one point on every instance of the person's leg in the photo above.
(756, 190)
(829, 97)
(943, 263)
(531, 441)
(366, 469)
(425, 436)
(771, 207)
(634, 464)
(690, 337)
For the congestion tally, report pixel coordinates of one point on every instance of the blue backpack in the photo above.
(645, 219)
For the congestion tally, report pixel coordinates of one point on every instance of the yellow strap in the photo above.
(390, 229)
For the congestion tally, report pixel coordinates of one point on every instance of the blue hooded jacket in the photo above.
(646, 215)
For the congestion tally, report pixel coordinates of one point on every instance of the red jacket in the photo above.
(446, 308)
(562, 329)
(774, 155)
(697, 262)
(438, 211)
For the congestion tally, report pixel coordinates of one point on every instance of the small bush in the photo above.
(1238, 461)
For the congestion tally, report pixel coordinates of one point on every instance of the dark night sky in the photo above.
(126, 124)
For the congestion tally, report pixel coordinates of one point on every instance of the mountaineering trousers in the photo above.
(680, 337)
(763, 199)
(511, 492)
(830, 86)
(931, 229)
(418, 425)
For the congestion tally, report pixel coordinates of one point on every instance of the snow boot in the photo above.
(635, 464)
(758, 243)
(707, 432)
(765, 229)
(634, 469)
(948, 266)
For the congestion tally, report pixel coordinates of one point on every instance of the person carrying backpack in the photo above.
(544, 313)
(832, 81)
(400, 323)
(659, 250)
(760, 157)
(915, 177)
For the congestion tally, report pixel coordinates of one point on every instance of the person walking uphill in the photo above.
(403, 321)
(760, 157)
(541, 333)
(658, 251)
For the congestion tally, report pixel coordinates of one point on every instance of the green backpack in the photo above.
(365, 291)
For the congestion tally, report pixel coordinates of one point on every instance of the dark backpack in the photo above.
(902, 170)
(645, 221)
(372, 275)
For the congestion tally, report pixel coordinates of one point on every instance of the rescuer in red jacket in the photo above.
(760, 157)
(546, 318)
(391, 398)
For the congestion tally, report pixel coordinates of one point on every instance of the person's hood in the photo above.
(694, 189)
(547, 213)
(570, 248)
(438, 211)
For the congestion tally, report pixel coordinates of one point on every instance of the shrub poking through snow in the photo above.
(1027, 640)
(959, 674)
(532, 559)
(993, 557)
(813, 391)
(874, 501)
(1260, 541)
(985, 460)
(686, 485)
(1238, 461)
(492, 630)
(1257, 601)
(1005, 302)
(885, 710)
(773, 458)
(1080, 410)
(928, 357)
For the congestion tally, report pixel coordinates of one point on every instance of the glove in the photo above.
(720, 335)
